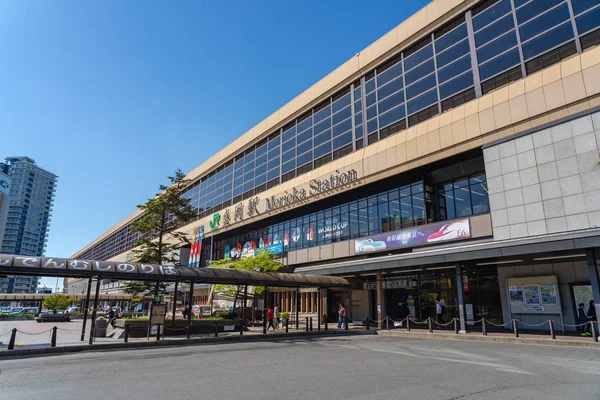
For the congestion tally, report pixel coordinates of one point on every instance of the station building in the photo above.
(456, 158)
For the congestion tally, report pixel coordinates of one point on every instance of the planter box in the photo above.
(140, 328)
(53, 318)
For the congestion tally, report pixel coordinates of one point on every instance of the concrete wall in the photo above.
(547, 181)
(566, 272)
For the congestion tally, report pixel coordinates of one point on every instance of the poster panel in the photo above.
(531, 294)
(516, 295)
(548, 293)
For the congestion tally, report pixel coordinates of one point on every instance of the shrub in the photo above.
(284, 315)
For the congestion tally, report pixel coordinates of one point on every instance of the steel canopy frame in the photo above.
(49, 266)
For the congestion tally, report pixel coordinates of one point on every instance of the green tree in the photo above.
(263, 261)
(159, 240)
(56, 302)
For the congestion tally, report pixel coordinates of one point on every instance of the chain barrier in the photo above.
(416, 322)
(177, 329)
(34, 334)
(571, 326)
(499, 325)
(532, 325)
(438, 324)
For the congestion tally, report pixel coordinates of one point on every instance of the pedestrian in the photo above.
(439, 311)
(342, 316)
(270, 316)
(591, 314)
(186, 312)
(111, 317)
(582, 320)
(277, 319)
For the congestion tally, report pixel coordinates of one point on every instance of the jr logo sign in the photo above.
(214, 224)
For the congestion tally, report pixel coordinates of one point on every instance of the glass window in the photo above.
(358, 119)
(274, 142)
(588, 21)
(493, 31)
(305, 124)
(544, 22)
(342, 115)
(452, 54)
(341, 103)
(392, 116)
(374, 223)
(321, 115)
(422, 101)
(304, 136)
(342, 127)
(496, 47)
(287, 156)
(372, 126)
(371, 99)
(289, 166)
(260, 179)
(303, 148)
(363, 221)
(389, 74)
(406, 207)
(462, 198)
(390, 88)
(322, 126)
(456, 85)
(479, 196)
(322, 138)
(422, 86)
(304, 158)
(342, 140)
(272, 174)
(261, 160)
(370, 86)
(547, 41)
(581, 5)
(491, 14)
(273, 163)
(451, 38)
(417, 58)
(261, 170)
(261, 150)
(534, 8)
(322, 150)
(391, 102)
(371, 112)
(419, 72)
(273, 153)
(499, 64)
(288, 145)
(454, 69)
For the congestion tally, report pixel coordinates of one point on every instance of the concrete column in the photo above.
(380, 300)
(302, 302)
(324, 309)
(312, 303)
(461, 300)
(594, 281)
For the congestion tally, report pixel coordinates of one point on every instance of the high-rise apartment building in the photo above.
(26, 225)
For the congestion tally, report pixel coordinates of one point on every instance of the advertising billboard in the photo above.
(446, 231)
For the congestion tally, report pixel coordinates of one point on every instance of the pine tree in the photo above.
(159, 241)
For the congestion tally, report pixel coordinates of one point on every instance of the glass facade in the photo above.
(489, 46)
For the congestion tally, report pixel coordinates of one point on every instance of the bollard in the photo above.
(216, 330)
(242, 329)
(326, 323)
(407, 324)
(346, 321)
(187, 331)
(368, 324)
(306, 324)
(594, 333)
(311, 325)
(11, 342)
(456, 325)
(287, 326)
(483, 330)
(430, 327)
(387, 323)
(515, 328)
(126, 333)
(53, 337)
(552, 334)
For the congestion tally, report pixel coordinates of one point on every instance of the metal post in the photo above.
(11, 342)
(244, 310)
(515, 328)
(326, 325)
(430, 326)
(407, 324)
(311, 325)
(306, 324)
(297, 308)
(265, 309)
(483, 330)
(126, 333)
(216, 329)
(387, 323)
(592, 324)
(93, 327)
(86, 309)
(461, 299)
(456, 325)
(287, 325)
(189, 317)
(368, 324)
(53, 337)
(346, 321)
(551, 324)
(174, 304)
(320, 297)
(380, 300)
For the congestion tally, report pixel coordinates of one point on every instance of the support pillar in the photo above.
(174, 304)
(265, 309)
(594, 280)
(86, 308)
(319, 310)
(380, 300)
(297, 295)
(461, 299)
(95, 310)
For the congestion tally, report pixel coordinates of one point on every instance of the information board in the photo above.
(534, 295)
(158, 314)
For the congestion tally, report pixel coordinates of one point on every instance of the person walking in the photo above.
(439, 311)
(111, 317)
(276, 315)
(582, 320)
(591, 314)
(270, 316)
(186, 312)
(342, 316)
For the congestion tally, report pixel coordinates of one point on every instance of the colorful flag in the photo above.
(196, 249)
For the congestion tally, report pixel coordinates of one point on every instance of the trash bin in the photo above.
(100, 327)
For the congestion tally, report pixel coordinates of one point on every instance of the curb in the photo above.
(492, 339)
(49, 351)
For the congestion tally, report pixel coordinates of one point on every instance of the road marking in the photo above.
(339, 345)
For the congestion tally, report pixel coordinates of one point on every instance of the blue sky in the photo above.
(114, 95)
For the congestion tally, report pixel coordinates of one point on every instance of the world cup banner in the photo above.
(446, 231)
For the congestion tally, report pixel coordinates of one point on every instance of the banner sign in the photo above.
(417, 236)
(196, 249)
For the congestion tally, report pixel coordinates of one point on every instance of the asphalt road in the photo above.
(365, 367)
